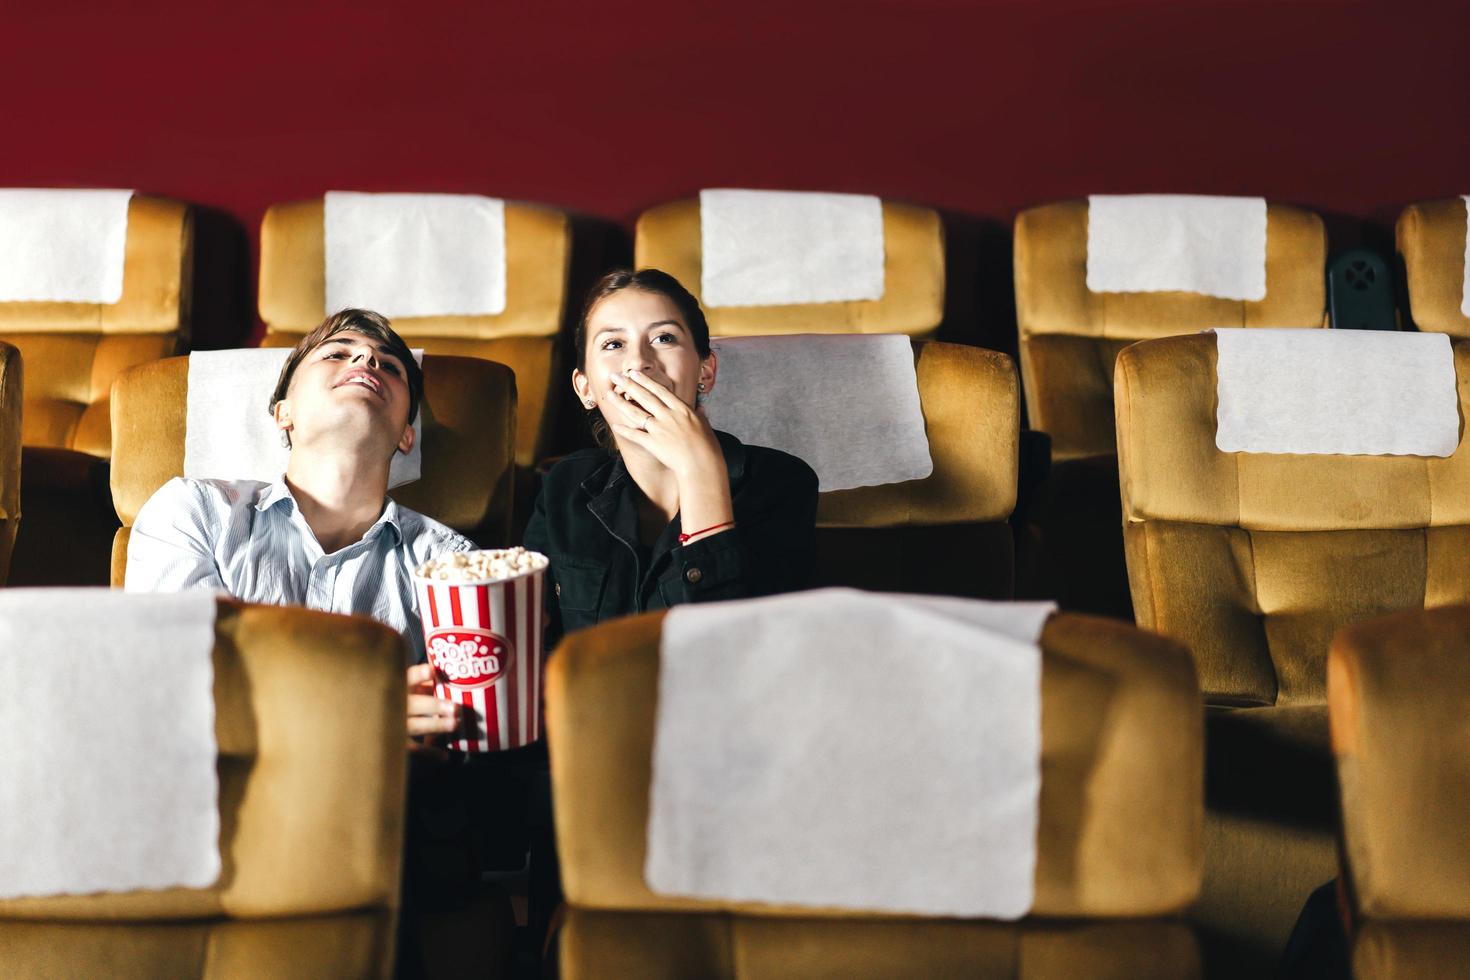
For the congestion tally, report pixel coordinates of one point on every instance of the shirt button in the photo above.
(557, 589)
(693, 575)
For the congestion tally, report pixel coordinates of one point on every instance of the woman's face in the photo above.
(637, 330)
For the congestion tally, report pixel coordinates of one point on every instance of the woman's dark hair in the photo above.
(369, 324)
(649, 281)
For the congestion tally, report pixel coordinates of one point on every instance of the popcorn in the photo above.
(492, 565)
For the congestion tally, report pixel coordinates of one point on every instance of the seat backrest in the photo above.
(947, 532)
(1121, 811)
(1254, 561)
(668, 238)
(1397, 687)
(1070, 336)
(311, 796)
(1431, 240)
(469, 413)
(76, 350)
(11, 387)
(293, 290)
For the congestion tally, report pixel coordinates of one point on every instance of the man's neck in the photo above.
(339, 494)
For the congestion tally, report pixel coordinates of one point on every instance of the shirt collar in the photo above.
(277, 492)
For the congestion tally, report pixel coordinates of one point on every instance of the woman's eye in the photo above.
(666, 338)
(611, 344)
(335, 355)
(392, 368)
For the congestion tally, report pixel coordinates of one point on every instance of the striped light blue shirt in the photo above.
(249, 539)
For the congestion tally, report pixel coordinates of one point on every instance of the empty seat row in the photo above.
(310, 854)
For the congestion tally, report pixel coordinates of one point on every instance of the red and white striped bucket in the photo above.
(483, 640)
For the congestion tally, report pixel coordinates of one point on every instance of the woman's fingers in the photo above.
(628, 407)
(663, 396)
(632, 433)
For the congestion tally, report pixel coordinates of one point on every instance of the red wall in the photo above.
(979, 108)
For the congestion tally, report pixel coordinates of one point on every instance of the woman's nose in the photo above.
(369, 356)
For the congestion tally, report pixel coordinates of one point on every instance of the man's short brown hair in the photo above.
(369, 324)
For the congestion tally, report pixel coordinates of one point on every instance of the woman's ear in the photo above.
(583, 387)
(405, 444)
(709, 368)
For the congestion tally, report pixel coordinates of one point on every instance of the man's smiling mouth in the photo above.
(364, 379)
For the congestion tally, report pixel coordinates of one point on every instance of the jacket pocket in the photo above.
(577, 584)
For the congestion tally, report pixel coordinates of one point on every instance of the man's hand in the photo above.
(427, 715)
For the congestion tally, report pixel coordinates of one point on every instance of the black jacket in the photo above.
(586, 522)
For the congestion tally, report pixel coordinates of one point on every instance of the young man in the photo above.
(325, 534)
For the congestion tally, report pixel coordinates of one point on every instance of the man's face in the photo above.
(348, 386)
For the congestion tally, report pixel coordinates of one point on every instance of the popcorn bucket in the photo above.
(483, 640)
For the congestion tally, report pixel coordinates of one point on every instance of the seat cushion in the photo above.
(1121, 761)
(972, 417)
(1431, 240)
(1070, 336)
(351, 945)
(746, 947)
(293, 276)
(668, 238)
(1254, 561)
(311, 797)
(1397, 688)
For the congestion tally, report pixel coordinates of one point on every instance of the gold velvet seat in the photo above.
(1254, 561)
(943, 534)
(311, 822)
(73, 353)
(1118, 849)
(11, 383)
(946, 533)
(469, 423)
(1396, 689)
(523, 337)
(668, 238)
(1069, 340)
(1431, 241)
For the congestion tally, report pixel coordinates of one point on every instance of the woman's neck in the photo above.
(658, 483)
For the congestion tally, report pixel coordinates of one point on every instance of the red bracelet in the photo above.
(684, 538)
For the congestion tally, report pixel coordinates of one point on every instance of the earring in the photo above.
(700, 386)
(589, 404)
(285, 439)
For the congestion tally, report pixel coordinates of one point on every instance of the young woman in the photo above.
(666, 510)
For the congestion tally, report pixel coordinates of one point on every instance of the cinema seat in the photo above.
(1118, 839)
(668, 238)
(469, 424)
(1431, 242)
(1396, 690)
(1069, 340)
(1254, 561)
(947, 533)
(311, 823)
(523, 337)
(10, 400)
(73, 352)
